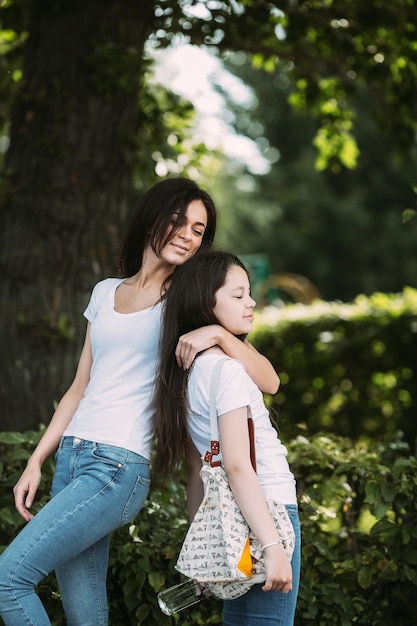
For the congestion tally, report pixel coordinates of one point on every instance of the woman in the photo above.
(213, 288)
(102, 426)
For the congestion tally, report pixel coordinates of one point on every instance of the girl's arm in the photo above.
(195, 489)
(27, 485)
(250, 498)
(257, 366)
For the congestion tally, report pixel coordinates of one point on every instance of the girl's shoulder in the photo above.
(215, 358)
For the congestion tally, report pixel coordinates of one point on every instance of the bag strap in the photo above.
(214, 428)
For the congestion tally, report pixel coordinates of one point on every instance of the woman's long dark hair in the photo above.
(152, 218)
(189, 304)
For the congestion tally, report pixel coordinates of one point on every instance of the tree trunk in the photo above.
(69, 177)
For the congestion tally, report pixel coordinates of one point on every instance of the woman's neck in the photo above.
(145, 288)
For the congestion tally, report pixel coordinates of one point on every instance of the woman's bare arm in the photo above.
(28, 483)
(257, 366)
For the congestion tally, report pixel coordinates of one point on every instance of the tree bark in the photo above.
(69, 176)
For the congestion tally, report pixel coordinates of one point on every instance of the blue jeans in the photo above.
(96, 489)
(268, 608)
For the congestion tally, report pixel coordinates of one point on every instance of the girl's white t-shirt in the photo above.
(116, 407)
(235, 390)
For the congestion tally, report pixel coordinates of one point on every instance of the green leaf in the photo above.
(365, 577)
(13, 438)
(408, 214)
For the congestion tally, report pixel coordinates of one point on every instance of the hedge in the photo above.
(358, 510)
(345, 369)
(346, 409)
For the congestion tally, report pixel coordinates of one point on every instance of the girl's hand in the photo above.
(278, 570)
(25, 491)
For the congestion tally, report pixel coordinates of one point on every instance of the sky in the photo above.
(191, 72)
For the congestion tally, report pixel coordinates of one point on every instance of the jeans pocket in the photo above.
(109, 454)
(136, 499)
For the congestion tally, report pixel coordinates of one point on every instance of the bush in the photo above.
(345, 369)
(358, 515)
(347, 389)
(359, 526)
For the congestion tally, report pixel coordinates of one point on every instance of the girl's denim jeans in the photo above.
(268, 608)
(96, 489)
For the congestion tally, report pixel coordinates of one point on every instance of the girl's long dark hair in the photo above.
(152, 218)
(189, 304)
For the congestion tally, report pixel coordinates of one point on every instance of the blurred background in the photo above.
(298, 117)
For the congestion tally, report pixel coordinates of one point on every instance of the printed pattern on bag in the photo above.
(217, 518)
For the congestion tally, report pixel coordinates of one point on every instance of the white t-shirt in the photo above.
(116, 408)
(235, 390)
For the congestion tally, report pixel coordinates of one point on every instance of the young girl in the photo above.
(102, 427)
(213, 288)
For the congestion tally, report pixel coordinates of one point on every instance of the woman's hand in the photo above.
(278, 570)
(257, 366)
(25, 490)
(190, 344)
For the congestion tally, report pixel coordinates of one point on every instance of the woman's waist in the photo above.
(126, 454)
(134, 435)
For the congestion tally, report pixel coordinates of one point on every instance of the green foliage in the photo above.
(358, 510)
(334, 49)
(340, 228)
(358, 515)
(327, 58)
(13, 36)
(15, 449)
(346, 369)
